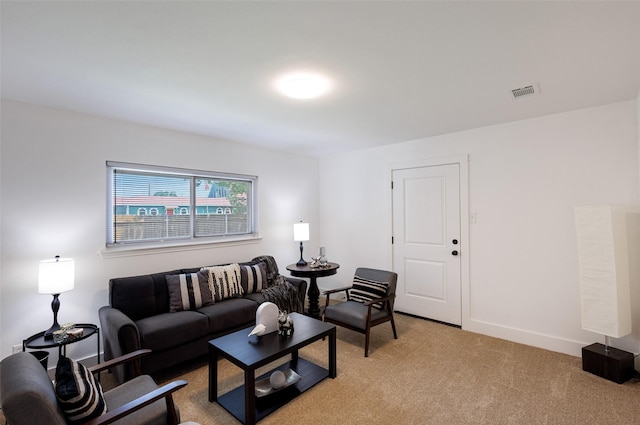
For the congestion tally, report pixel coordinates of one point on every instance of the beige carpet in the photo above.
(433, 374)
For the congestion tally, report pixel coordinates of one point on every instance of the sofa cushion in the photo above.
(253, 277)
(171, 329)
(188, 291)
(78, 392)
(257, 297)
(140, 296)
(224, 282)
(230, 314)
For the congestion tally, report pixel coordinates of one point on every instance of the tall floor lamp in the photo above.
(55, 276)
(301, 234)
(604, 288)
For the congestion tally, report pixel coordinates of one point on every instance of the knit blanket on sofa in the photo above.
(284, 295)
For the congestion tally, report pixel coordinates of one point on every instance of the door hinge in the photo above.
(391, 240)
(391, 184)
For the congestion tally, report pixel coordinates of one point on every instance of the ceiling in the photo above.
(401, 70)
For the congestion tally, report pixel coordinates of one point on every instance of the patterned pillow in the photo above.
(364, 290)
(253, 277)
(78, 392)
(224, 282)
(189, 291)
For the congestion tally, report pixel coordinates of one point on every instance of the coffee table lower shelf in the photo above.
(311, 374)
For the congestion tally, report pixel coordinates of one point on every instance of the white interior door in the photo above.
(426, 241)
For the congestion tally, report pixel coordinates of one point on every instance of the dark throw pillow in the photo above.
(189, 291)
(364, 290)
(78, 392)
(253, 277)
(271, 267)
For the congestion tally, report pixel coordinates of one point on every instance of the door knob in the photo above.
(454, 252)
(455, 242)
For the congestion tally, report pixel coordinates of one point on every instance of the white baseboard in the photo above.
(548, 342)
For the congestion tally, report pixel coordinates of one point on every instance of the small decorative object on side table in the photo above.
(78, 333)
(313, 273)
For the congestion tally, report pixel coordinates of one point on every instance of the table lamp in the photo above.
(301, 233)
(55, 276)
(604, 287)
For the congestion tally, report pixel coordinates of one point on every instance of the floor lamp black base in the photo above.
(615, 365)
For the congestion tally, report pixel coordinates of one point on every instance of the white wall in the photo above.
(53, 203)
(524, 180)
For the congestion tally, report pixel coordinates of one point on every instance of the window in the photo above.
(142, 201)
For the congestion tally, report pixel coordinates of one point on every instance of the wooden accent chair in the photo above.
(369, 303)
(28, 395)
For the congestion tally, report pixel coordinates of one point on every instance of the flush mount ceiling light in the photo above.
(303, 85)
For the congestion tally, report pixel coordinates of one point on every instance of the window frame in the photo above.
(192, 175)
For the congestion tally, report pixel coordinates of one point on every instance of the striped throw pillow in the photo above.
(78, 392)
(364, 290)
(188, 291)
(253, 277)
(224, 282)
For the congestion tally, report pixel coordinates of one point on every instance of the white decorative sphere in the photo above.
(277, 379)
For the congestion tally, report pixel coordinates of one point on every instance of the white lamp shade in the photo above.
(301, 232)
(56, 275)
(604, 269)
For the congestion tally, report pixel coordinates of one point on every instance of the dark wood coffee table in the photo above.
(250, 353)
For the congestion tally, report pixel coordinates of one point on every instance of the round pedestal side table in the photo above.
(313, 273)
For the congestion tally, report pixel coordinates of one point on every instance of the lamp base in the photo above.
(615, 365)
(301, 263)
(48, 334)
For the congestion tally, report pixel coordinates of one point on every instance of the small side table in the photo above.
(313, 273)
(37, 341)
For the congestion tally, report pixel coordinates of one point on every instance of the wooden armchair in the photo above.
(369, 303)
(28, 395)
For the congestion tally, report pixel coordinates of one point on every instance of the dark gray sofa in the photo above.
(138, 317)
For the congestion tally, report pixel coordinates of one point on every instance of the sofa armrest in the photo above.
(120, 336)
(300, 285)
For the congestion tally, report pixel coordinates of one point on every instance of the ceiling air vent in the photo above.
(524, 91)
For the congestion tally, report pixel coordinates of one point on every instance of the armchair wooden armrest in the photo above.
(165, 392)
(380, 300)
(333, 291)
(328, 292)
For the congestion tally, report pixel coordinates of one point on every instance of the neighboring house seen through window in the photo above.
(174, 206)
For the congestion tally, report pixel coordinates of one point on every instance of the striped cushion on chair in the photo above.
(364, 290)
(78, 392)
